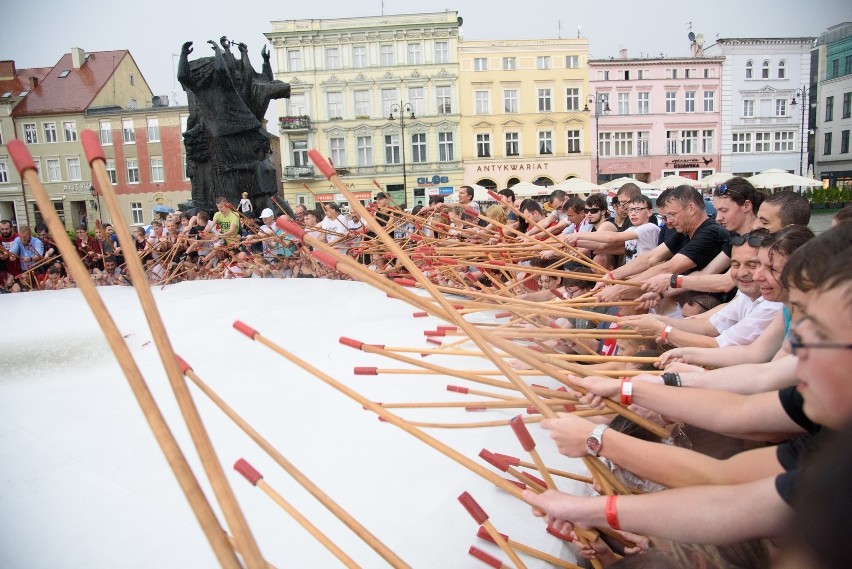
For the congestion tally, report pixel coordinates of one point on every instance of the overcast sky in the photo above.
(37, 32)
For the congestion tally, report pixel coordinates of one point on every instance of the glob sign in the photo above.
(433, 181)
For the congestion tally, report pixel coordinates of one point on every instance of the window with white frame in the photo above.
(359, 56)
(184, 122)
(708, 143)
(623, 143)
(480, 64)
(689, 101)
(671, 142)
(294, 60)
(37, 163)
(785, 141)
(364, 146)
(545, 142)
(624, 103)
(335, 104)
(128, 131)
(4, 171)
(157, 172)
(30, 133)
(572, 99)
(392, 149)
(689, 73)
(74, 172)
(337, 148)
(741, 142)
(54, 174)
(604, 144)
(153, 128)
(572, 61)
(826, 143)
(136, 213)
(417, 100)
(49, 129)
(671, 101)
(446, 148)
(782, 69)
(418, 148)
(414, 56)
(846, 110)
(362, 103)
(829, 109)
(510, 100)
(483, 102)
(386, 55)
(297, 105)
(671, 73)
(510, 63)
(643, 143)
(132, 168)
(542, 62)
(709, 101)
(763, 142)
(764, 70)
(689, 142)
(105, 128)
(332, 58)
(644, 101)
(184, 167)
(572, 141)
(442, 52)
(443, 95)
(643, 74)
(748, 107)
(749, 69)
(513, 143)
(780, 107)
(299, 152)
(110, 170)
(544, 105)
(483, 145)
(389, 97)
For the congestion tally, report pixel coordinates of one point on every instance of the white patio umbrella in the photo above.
(714, 180)
(578, 186)
(777, 178)
(528, 190)
(673, 182)
(618, 182)
(480, 193)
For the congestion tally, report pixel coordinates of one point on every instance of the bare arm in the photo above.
(746, 378)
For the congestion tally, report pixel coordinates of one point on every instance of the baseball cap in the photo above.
(267, 212)
(381, 196)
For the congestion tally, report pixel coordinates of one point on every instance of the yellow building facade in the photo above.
(522, 111)
(348, 76)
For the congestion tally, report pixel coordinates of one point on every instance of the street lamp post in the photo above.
(803, 94)
(401, 109)
(601, 103)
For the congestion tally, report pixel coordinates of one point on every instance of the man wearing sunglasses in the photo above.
(749, 496)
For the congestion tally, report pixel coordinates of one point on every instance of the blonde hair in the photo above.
(497, 213)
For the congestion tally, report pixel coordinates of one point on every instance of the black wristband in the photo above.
(673, 281)
(672, 379)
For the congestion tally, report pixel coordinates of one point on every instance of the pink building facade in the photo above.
(655, 117)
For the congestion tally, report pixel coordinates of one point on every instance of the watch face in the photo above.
(593, 445)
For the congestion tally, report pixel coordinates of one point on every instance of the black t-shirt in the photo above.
(707, 241)
(667, 232)
(623, 227)
(793, 453)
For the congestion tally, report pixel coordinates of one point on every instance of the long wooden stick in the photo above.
(532, 552)
(165, 439)
(221, 488)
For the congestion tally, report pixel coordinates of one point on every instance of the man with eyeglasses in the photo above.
(750, 495)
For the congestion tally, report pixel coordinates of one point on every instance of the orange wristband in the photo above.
(611, 513)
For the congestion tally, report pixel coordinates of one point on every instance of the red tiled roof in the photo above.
(75, 92)
(21, 80)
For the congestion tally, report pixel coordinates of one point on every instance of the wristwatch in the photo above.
(594, 441)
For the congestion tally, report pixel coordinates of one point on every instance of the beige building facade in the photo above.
(522, 117)
(348, 77)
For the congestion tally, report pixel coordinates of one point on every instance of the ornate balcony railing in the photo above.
(301, 122)
(299, 172)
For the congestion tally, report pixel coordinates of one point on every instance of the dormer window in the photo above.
(64, 74)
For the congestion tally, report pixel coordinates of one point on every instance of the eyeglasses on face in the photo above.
(636, 209)
(796, 344)
(670, 216)
(591, 209)
(754, 238)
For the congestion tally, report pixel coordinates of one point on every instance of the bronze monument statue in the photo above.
(227, 148)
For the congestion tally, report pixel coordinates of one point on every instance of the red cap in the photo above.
(351, 343)
(503, 315)
(447, 327)
(434, 341)
(325, 259)
(570, 408)
(290, 227)
(493, 460)
(415, 237)
(497, 263)
(494, 195)
(512, 460)
(476, 512)
(535, 479)
(517, 483)
(434, 332)
(482, 533)
(553, 532)
(420, 314)
(91, 146)
(526, 440)
(448, 261)
(366, 371)
(485, 558)
(245, 329)
(404, 282)
(532, 411)
(184, 367)
(325, 168)
(248, 471)
(20, 156)
(457, 388)
(475, 408)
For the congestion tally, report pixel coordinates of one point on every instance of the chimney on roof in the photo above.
(7, 70)
(33, 83)
(622, 53)
(78, 57)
